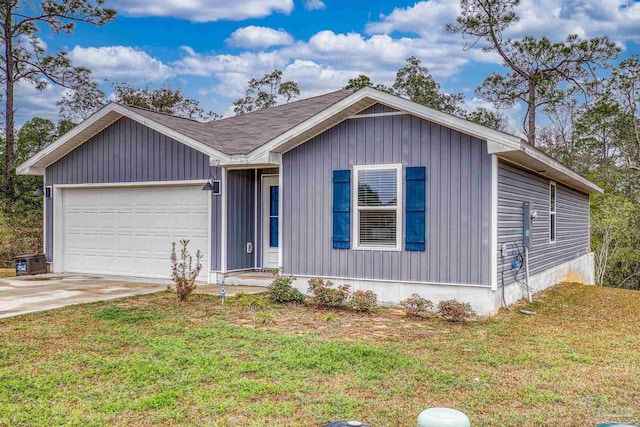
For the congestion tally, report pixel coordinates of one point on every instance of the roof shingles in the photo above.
(244, 133)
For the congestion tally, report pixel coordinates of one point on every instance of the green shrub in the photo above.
(455, 310)
(416, 306)
(281, 290)
(363, 301)
(330, 317)
(253, 302)
(325, 295)
(265, 317)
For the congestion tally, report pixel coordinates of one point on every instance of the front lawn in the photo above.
(151, 361)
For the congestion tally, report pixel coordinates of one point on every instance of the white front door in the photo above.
(270, 221)
(129, 230)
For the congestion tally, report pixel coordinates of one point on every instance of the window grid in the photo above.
(377, 207)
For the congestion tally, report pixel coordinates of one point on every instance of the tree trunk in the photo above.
(531, 115)
(9, 104)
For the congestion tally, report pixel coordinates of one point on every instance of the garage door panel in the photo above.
(129, 231)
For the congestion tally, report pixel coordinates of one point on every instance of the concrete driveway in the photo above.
(28, 294)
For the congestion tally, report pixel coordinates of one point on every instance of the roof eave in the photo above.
(95, 124)
(540, 163)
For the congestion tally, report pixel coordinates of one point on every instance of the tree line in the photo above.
(581, 107)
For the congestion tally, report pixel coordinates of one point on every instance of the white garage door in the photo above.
(129, 230)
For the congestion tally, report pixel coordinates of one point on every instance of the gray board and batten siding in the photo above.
(128, 151)
(458, 202)
(516, 186)
(240, 218)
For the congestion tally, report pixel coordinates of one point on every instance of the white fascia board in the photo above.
(498, 141)
(36, 164)
(556, 165)
(309, 124)
(509, 142)
(29, 167)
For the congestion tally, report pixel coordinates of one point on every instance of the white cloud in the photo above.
(31, 102)
(253, 36)
(121, 63)
(205, 10)
(618, 19)
(314, 5)
(426, 18)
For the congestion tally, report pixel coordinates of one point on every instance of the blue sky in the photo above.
(213, 47)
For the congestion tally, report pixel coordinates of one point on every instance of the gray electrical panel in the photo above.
(526, 224)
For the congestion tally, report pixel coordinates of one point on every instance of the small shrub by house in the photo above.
(325, 295)
(281, 290)
(363, 301)
(455, 310)
(416, 306)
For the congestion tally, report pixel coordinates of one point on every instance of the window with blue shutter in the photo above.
(342, 209)
(416, 189)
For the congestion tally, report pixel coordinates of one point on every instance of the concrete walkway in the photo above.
(28, 294)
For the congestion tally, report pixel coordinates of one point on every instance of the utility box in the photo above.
(526, 225)
(27, 265)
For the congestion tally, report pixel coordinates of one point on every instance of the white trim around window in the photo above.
(398, 208)
(553, 206)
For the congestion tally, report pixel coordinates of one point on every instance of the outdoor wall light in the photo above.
(40, 193)
(212, 185)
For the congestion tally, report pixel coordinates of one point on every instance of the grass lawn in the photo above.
(7, 272)
(152, 361)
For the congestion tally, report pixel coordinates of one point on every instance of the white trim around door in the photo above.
(271, 255)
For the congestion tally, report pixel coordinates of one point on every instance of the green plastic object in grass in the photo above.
(443, 417)
(617, 425)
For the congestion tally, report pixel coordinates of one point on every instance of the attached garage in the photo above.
(128, 230)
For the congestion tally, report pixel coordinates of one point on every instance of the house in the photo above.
(362, 187)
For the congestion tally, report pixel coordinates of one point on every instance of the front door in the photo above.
(270, 221)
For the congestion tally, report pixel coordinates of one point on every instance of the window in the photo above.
(377, 207)
(552, 212)
(273, 216)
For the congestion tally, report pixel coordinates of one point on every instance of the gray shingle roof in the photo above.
(243, 134)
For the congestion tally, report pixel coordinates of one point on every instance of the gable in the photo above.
(377, 109)
(128, 151)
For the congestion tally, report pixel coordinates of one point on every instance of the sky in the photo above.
(211, 48)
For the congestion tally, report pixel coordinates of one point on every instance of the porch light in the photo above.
(212, 185)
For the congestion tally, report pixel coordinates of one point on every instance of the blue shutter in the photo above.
(342, 209)
(416, 189)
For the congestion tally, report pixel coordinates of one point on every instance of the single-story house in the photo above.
(361, 187)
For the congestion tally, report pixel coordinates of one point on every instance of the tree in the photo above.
(623, 89)
(33, 136)
(24, 57)
(165, 99)
(615, 233)
(538, 67)
(414, 81)
(79, 103)
(265, 92)
(363, 81)
(491, 119)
